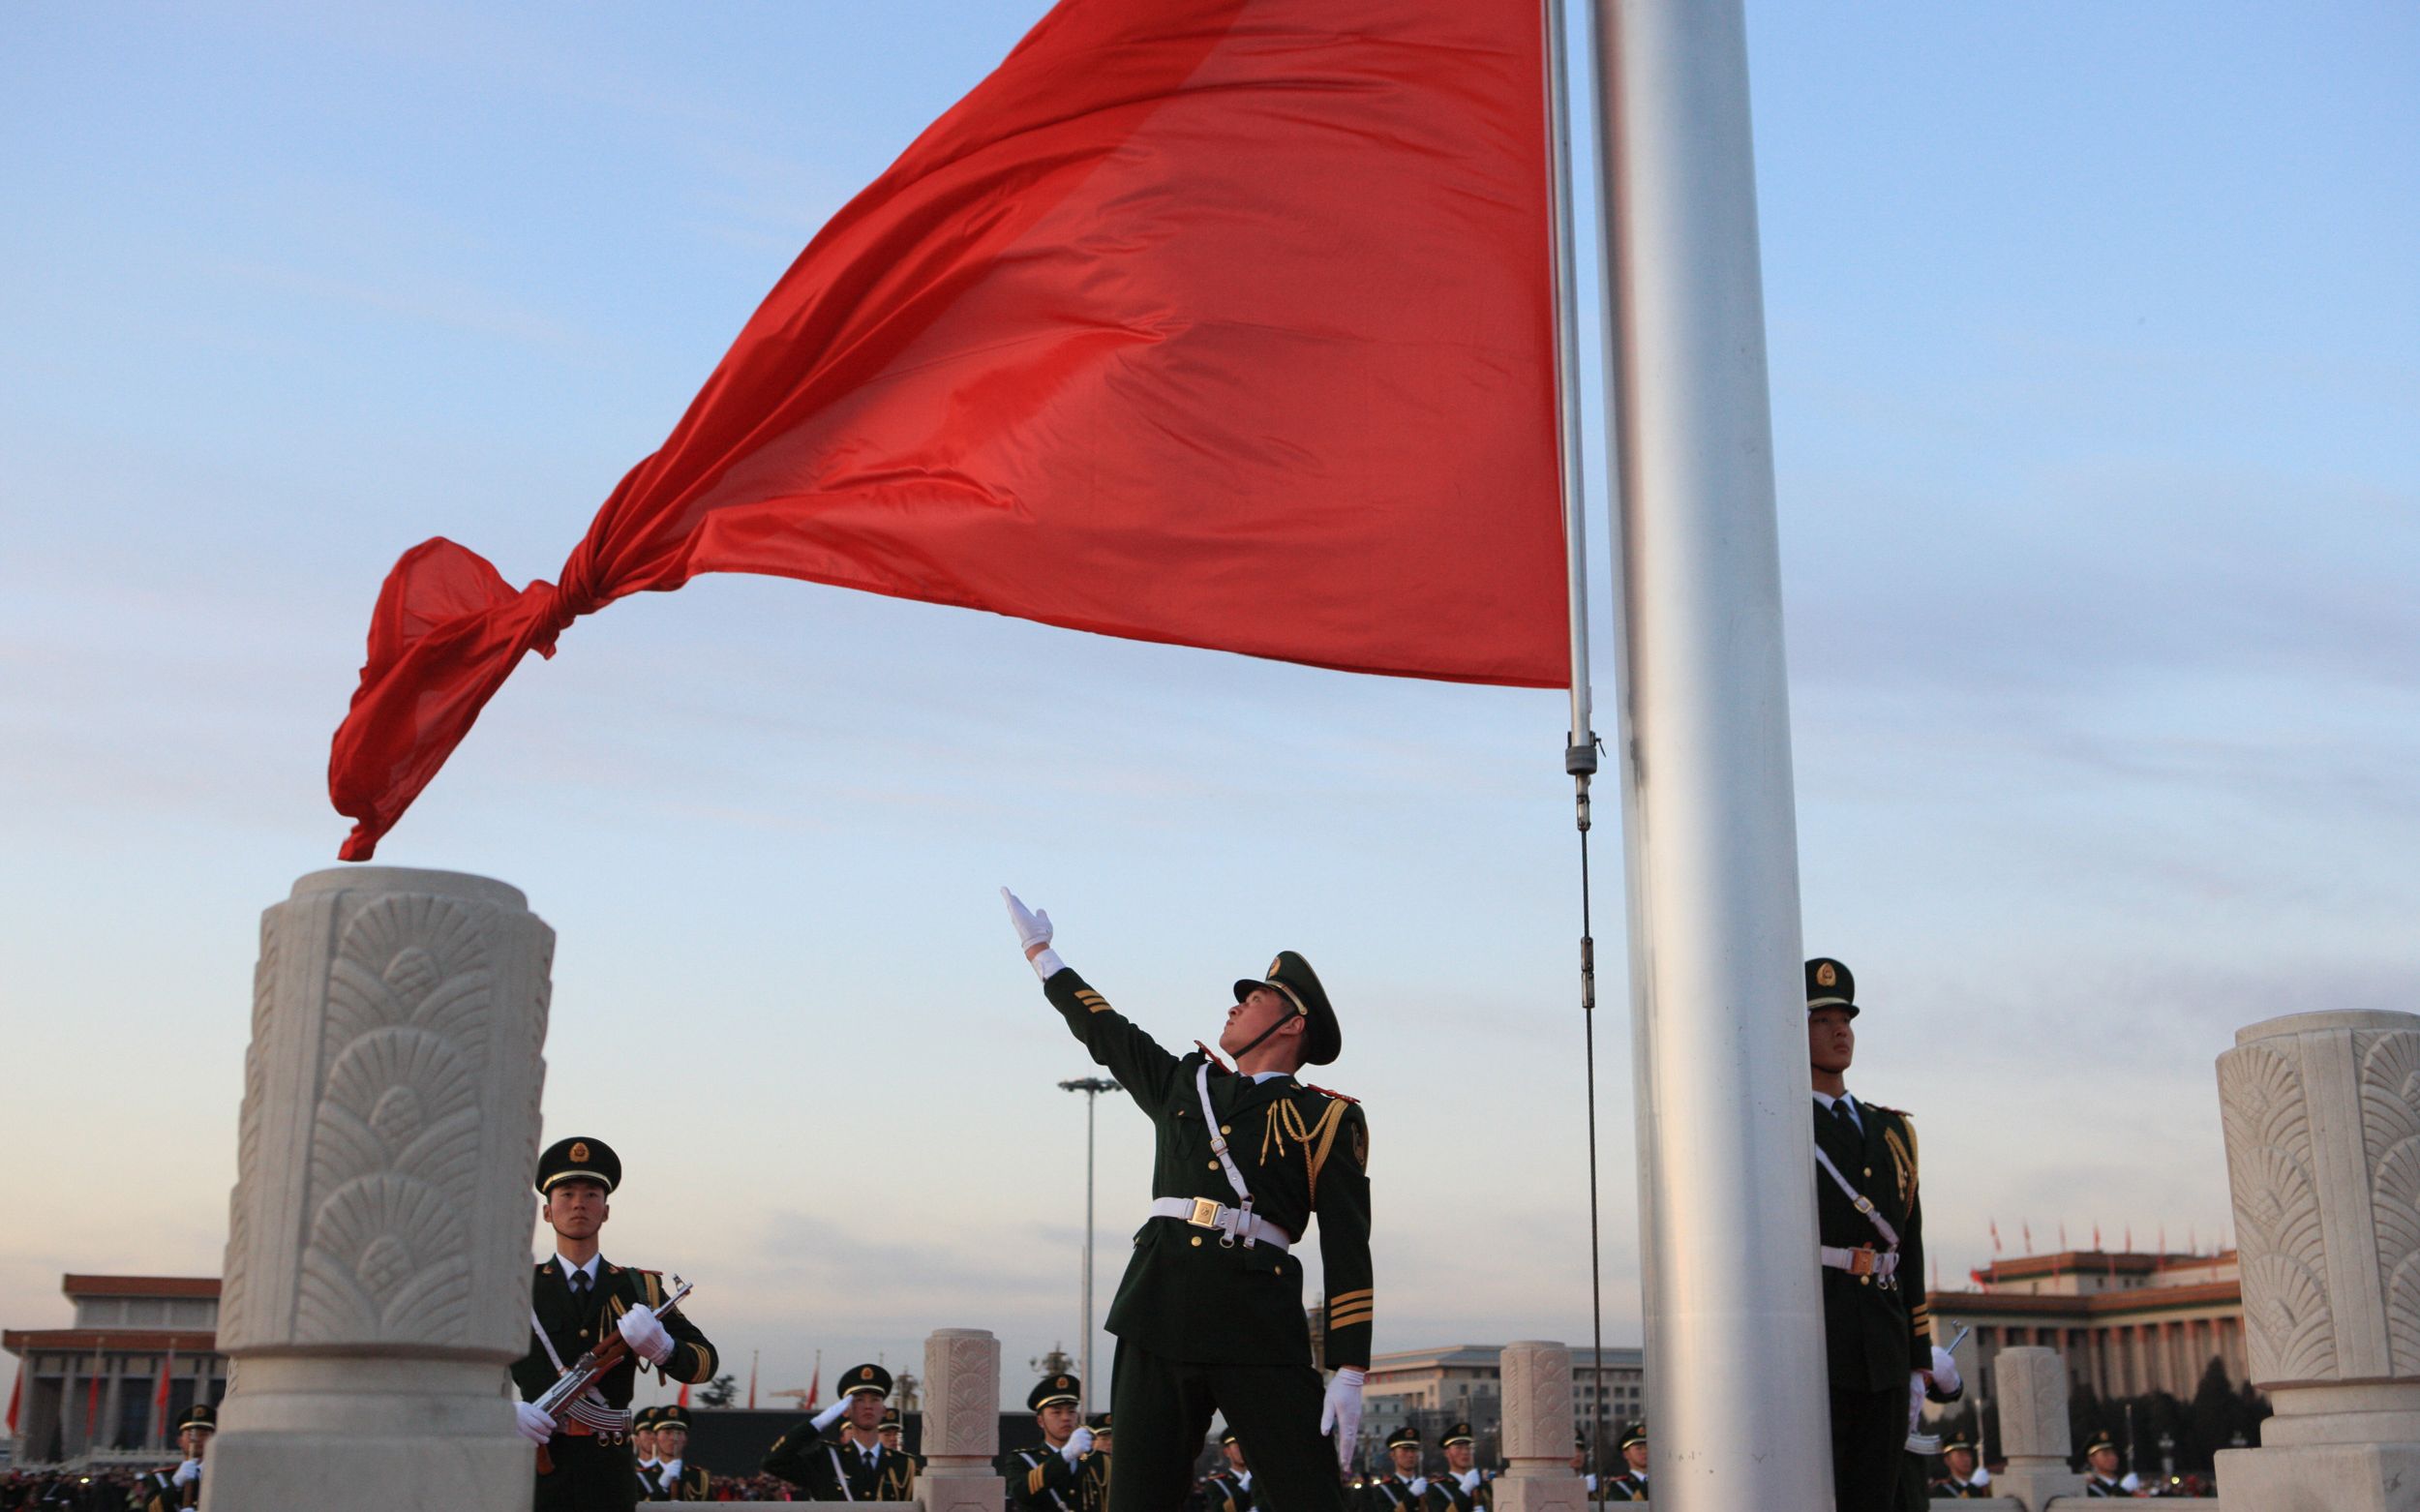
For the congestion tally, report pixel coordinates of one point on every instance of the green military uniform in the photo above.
(1041, 1478)
(1630, 1485)
(1394, 1490)
(1227, 1489)
(1447, 1491)
(1877, 1325)
(678, 1480)
(893, 1428)
(642, 1426)
(161, 1490)
(847, 1470)
(1092, 1467)
(1209, 1316)
(2098, 1486)
(1948, 1487)
(594, 1468)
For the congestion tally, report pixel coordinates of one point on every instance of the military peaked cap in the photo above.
(201, 1416)
(890, 1419)
(1291, 978)
(1460, 1433)
(579, 1159)
(2101, 1440)
(1099, 1423)
(1956, 1441)
(1227, 1436)
(1053, 1388)
(672, 1417)
(646, 1417)
(1633, 1432)
(866, 1378)
(1405, 1434)
(1829, 985)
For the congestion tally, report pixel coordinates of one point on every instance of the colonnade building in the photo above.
(91, 1392)
(2128, 1324)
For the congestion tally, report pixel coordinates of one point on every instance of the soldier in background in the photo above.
(1401, 1487)
(1229, 1488)
(676, 1479)
(643, 1444)
(2100, 1460)
(857, 1469)
(1870, 1242)
(165, 1491)
(1631, 1484)
(1966, 1480)
(892, 1431)
(1462, 1487)
(1092, 1467)
(1044, 1479)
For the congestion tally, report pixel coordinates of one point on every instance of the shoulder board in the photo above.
(1895, 1112)
(1341, 1097)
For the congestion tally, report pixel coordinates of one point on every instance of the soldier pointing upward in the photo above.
(1209, 1317)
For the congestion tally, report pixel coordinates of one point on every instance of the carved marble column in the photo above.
(1536, 1438)
(2032, 1387)
(961, 1421)
(378, 1254)
(2322, 1119)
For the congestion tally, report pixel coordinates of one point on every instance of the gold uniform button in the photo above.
(1196, 1241)
(1862, 1281)
(1869, 1171)
(1214, 1165)
(1224, 1128)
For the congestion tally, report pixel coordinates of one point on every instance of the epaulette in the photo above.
(1217, 1067)
(1895, 1112)
(1341, 1097)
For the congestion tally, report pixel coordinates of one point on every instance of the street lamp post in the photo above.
(1092, 1087)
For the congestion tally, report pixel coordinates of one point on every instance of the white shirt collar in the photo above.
(1264, 1076)
(1827, 1099)
(594, 1266)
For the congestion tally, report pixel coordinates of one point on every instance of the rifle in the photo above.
(562, 1399)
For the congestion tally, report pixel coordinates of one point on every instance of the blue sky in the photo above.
(2093, 334)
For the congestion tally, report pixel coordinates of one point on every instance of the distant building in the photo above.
(127, 1331)
(2128, 1324)
(1432, 1388)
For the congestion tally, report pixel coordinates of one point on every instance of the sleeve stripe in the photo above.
(1033, 1481)
(1349, 1319)
(1343, 1297)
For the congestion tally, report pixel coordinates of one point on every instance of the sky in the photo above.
(2093, 334)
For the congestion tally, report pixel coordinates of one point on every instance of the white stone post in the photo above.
(961, 1421)
(1536, 1438)
(2322, 1120)
(378, 1254)
(2031, 1386)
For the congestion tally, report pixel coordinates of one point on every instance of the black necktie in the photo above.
(580, 1289)
(1847, 1119)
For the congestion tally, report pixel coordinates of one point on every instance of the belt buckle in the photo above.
(1863, 1262)
(1205, 1214)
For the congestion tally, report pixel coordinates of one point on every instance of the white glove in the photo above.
(1420, 1485)
(1341, 1412)
(536, 1424)
(646, 1338)
(1469, 1478)
(1915, 1399)
(1076, 1444)
(1033, 932)
(1947, 1381)
(186, 1473)
(831, 1414)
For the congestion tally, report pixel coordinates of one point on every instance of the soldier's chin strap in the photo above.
(1274, 1024)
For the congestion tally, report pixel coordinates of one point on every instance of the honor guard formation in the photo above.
(1209, 1316)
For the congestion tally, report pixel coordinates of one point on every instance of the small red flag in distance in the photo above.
(1228, 323)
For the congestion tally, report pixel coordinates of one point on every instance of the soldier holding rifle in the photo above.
(582, 1305)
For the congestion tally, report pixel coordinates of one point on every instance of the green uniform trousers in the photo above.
(589, 1475)
(1163, 1409)
(1868, 1444)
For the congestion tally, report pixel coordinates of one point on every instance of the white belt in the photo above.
(1865, 1260)
(1231, 1222)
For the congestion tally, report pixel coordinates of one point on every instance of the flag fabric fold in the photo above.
(1220, 323)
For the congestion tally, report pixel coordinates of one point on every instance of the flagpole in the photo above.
(1580, 749)
(1735, 1342)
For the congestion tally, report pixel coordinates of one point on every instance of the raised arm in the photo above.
(1134, 1057)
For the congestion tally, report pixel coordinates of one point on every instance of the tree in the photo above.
(721, 1392)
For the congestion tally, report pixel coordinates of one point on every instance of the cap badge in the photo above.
(579, 1152)
(1826, 977)
(866, 1372)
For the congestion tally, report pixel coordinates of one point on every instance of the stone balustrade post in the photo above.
(2032, 1385)
(961, 1422)
(378, 1254)
(1536, 1433)
(2322, 1119)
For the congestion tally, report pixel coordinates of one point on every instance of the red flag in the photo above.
(17, 1396)
(1995, 1236)
(160, 1396)
(683, 1399)
(815, 1384)
(1220, 323)
(92, 1404)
